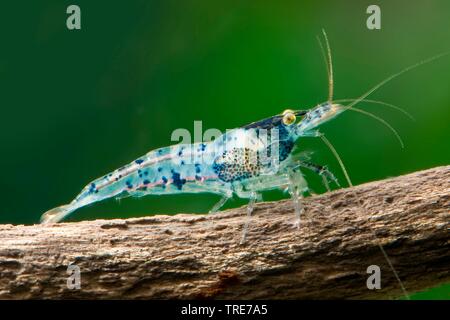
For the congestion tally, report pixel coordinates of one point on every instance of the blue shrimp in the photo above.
(223, 166)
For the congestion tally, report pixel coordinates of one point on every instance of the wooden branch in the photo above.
(197, 256)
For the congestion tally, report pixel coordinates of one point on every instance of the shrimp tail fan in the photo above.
(56, 214)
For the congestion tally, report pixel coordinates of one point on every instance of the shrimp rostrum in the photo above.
(245, 161)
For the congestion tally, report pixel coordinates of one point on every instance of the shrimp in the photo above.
(231, 164)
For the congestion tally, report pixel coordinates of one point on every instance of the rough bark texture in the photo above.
(197, 256)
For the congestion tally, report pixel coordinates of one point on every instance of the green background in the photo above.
(78, 104)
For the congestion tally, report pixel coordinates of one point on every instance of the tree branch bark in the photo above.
(197, 256)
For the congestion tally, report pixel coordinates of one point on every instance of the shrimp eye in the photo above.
(288, 117)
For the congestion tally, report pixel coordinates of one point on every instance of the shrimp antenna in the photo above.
(390, 105)
(386, 257)
(382, 121)
(382, 83)
(328, 64)
(395, 75)
(338, 158)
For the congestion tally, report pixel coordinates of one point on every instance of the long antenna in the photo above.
(382, 121)
(389, 105)
(338, 158)
(328, 64)
(395, 75)
(347, 177)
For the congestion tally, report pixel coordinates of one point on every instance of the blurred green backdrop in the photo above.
(78, 104)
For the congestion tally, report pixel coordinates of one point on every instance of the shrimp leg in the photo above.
(219, 204)
(297, 185)
(253, 198)
(298, 209)
(327, 175)
(291, 177)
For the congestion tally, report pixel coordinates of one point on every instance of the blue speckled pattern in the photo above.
(235, 162)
